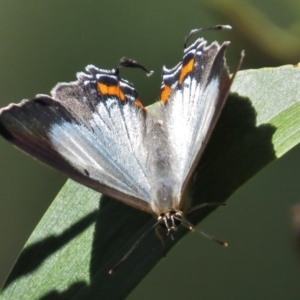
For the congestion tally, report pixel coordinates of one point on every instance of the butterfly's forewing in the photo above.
(91, 129)
(193, 94)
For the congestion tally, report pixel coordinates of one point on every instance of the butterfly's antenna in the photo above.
(112, 270)
(130, 63)
(191, 227)
(194, 31)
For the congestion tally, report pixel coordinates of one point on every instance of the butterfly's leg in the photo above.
(204, 205)
(157, 232)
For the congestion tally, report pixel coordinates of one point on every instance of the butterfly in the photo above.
(96, 131)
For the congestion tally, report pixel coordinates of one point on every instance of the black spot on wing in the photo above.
(5, 133)
(110, 80)
(43, 101)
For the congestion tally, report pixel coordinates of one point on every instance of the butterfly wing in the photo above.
(92, 130)
(193, 94)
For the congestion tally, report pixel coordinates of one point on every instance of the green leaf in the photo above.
(82, 235)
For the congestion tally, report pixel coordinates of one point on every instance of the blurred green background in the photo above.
(43, 42)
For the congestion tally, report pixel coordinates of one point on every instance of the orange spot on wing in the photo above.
(138, 103)
(102, 88)
(165, 93)
(186, 70)
(113, 90)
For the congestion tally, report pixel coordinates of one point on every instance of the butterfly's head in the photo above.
(170, 220)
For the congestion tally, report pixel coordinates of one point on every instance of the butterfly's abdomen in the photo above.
(165, 188)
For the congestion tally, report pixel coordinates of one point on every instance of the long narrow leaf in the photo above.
(83, 235)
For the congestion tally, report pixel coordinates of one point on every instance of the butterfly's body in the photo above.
(96, 131)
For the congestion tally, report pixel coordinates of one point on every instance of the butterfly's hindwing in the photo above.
(198, 88)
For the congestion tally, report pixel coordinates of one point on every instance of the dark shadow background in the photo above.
(49, 41)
